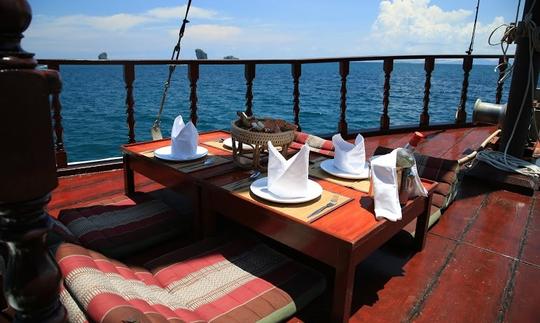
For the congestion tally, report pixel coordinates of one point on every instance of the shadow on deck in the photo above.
(481, 262)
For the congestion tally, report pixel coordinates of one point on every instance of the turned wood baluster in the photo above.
(429, 65)
(461, 114)
(129, 77)
(502, 69)
(296, 71)
(56, 107)
(385, 118)
(193, 76)
(28, 173)
(249, 73)
(343, 72)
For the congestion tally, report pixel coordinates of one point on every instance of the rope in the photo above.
(174, 56)
(469, 52)
(508, 163)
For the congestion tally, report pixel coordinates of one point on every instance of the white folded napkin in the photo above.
(288, 178)
(385, 186)
(184, 138)
(350, 158)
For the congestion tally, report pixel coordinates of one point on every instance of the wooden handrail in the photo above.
(296, 68)
(257, 61)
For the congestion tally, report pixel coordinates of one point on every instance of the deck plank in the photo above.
(462, 211)
(470, 288)
(468, 142)
(391, 282)
(531, 248)
(524, 305)
(500, 225)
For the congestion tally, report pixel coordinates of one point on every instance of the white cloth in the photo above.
(288, 178)
(184, 138)
(385, 186)
(350, 158)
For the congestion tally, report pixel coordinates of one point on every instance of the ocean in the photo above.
(93, 99)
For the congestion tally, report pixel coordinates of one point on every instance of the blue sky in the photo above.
(261, 29)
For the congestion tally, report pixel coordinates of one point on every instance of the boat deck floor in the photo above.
(481, 262)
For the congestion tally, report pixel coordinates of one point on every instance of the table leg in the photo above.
(343, 292)
(422, 222)
(129, 178)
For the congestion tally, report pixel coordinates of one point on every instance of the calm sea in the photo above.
(94, 116)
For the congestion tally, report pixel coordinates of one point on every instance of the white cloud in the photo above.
(180, 11)
(417, 27)
(117, 22)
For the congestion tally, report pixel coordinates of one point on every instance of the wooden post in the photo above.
(343, 72)
(461, 114)
(385, 118)
(500, 84)
(28, 173)
(429, 65)
(129, 77)
(193, 76)
(56, 107)
(249, 74)
(296, 71)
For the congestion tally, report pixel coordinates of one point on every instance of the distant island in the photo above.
(200, 54)
(230, 57)
(102, 56)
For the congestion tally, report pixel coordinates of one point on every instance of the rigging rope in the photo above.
(469, 51)
(156, 131)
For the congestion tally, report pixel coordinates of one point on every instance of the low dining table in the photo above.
(341, 235)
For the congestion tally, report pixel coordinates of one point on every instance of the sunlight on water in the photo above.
(93, 97)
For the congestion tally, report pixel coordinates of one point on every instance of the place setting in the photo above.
(286, 187)
(348, 168)
(184, 153)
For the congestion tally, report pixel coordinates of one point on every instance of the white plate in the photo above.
(228, 143)
(328, 166)
(165, 153)
(260, 188)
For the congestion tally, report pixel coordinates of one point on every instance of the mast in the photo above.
(516, 124)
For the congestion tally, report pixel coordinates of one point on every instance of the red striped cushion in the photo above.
(241, 281)
(316, 144)
(125, 227)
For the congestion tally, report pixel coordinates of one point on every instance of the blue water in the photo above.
(94, 116)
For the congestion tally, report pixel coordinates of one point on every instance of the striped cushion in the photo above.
(316, 144)
(125, 227)
(240, 281)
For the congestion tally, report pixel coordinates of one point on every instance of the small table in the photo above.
(342, 238)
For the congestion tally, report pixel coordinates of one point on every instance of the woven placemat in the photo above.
(361, 185)
(191, 166)
(300, 211)
(217, 143)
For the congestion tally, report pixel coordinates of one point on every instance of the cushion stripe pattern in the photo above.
(121, 229)
(239, 281)
(316, 144)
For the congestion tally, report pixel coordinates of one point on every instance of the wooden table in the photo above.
(341, 239)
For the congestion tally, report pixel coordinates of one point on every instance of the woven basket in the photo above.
(258, 141)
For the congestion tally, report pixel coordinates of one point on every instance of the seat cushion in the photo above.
(124, 228)
(237, 281)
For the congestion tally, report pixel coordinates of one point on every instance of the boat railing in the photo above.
(385, 125)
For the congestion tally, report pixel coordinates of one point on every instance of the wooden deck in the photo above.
(481, 262)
